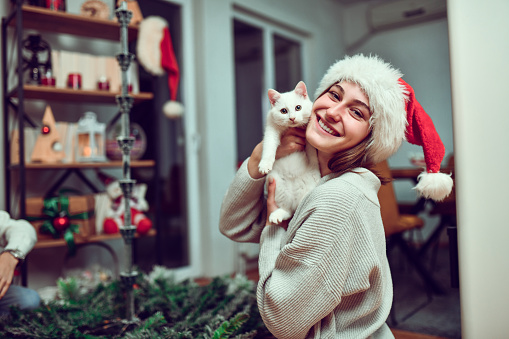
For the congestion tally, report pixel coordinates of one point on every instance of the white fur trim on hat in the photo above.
(436, 186)
(379, 81)
(148, 47)
(173, 109)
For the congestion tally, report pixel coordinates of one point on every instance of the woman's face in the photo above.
(339, 119)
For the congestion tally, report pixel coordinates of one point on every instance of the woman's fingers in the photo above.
(292, 140)
(271, 198)
(271, 203)
(4, 286)
(271, 191)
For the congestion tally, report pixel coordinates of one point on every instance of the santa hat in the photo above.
(396, 115)
(154, 51)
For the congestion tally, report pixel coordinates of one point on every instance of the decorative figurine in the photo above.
(36, 47)
(96, 9)
(48, 147)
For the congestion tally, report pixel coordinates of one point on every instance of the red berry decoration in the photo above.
(45, 129)
(61, 223)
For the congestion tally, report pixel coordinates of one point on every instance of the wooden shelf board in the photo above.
(65, 94)
(39, 18)
(109, 164)
(50, 243)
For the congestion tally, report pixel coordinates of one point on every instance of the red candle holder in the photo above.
(74, 81)
(48, 81)
(103, 85)
(56, 5)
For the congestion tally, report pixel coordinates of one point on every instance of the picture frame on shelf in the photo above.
(98, 9)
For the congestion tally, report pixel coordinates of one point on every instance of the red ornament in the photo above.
(45, 129)
(61, 223)
(110, 226)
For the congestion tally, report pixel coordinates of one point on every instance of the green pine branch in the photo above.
(166, 308)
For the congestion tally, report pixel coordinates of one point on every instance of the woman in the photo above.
(326, 274)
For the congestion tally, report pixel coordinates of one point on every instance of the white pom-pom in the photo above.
(436, 186)
(173, 109)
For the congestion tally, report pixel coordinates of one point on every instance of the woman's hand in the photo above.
(292, 140)
(7, 265)
(271, 203)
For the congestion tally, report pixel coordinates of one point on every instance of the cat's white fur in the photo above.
(297, 173)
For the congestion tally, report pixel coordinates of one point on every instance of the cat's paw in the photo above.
(279, 215)
(264, 167)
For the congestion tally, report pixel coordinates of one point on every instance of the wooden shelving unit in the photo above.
(43, 19)
(34, 92)
(50, 243)
(25, 17)
(84, 165)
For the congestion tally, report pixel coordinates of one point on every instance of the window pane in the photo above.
(248, 42)
(288, 63)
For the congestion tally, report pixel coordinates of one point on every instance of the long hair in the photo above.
(345, 161)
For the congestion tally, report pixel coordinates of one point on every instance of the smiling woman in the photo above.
(326, 274)
(340, 120)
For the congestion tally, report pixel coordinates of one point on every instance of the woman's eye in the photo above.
(298, 107)
(334, 95)
(357, 113)
(284, 111)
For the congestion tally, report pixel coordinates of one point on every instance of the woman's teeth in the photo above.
(325, 128)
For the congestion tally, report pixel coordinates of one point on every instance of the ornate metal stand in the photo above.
(125, 102)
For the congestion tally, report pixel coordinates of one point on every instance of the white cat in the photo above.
(297, 173)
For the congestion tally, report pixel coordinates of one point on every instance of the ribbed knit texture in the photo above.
(16, 234)
(327, 276)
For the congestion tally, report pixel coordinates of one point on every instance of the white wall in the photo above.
(421, 52)
(479, 50)
(216, 107)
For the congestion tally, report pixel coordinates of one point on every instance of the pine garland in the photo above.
(225, 308)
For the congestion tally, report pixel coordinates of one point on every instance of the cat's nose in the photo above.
(292, 119)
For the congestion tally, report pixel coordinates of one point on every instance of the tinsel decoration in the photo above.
(58, 220)
(224, 308)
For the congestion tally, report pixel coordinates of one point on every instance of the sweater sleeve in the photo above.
(304, 281)
(243, 210)
(16, 234)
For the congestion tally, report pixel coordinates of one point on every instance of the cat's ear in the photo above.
(301, 90)
(273, 96)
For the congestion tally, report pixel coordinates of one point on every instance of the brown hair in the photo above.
(345, 161)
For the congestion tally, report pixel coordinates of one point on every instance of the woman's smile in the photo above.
(326, 127)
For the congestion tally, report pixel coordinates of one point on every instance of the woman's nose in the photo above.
(333, 113)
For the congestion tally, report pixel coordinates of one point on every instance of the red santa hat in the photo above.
(396, 115)
(154, 50)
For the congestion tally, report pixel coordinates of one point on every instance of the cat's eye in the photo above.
(298, 107)
(284, 111)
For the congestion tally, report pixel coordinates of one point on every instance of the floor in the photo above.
(415, 308)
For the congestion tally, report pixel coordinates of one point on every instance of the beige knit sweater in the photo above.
(327, 276)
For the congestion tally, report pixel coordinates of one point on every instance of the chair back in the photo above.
(388, 203)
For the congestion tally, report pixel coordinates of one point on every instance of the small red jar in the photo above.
(74, 81)
(103, 84)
